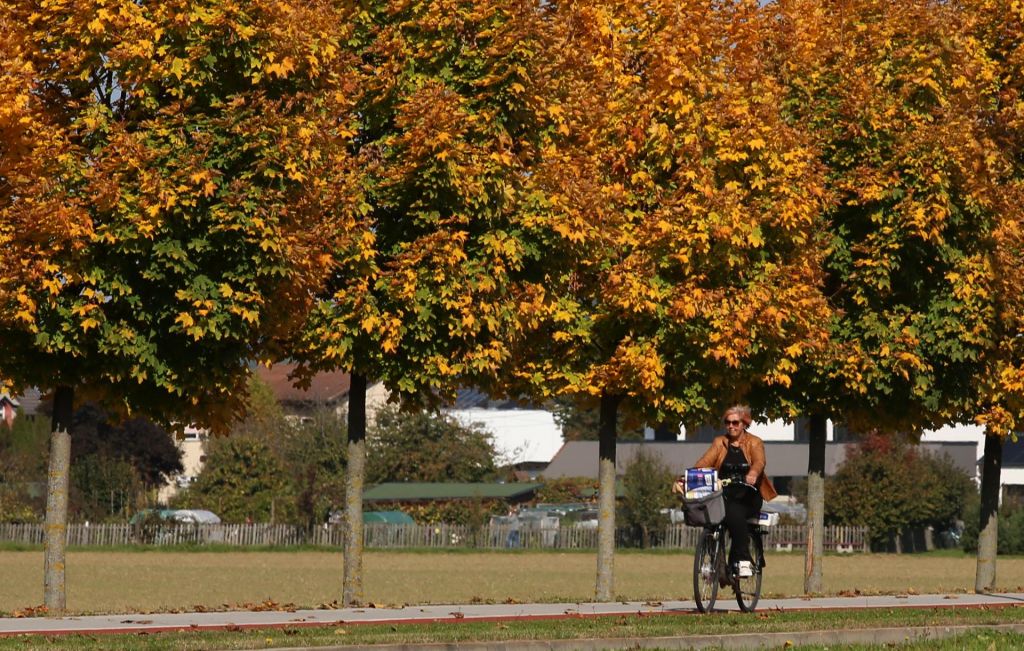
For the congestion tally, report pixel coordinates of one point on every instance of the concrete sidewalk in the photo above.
(464, 612)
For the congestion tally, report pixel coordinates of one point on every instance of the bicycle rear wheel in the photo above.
(748, 589)
(705, 570)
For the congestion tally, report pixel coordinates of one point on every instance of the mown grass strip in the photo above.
(614, 627)
(981, 640)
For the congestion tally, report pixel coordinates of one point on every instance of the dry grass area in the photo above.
(130, 581)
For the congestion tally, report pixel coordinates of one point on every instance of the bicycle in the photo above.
(711, 569)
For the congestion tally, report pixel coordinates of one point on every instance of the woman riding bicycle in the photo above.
(739, 457)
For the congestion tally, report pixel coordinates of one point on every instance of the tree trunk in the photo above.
(815, 504)
(605, 589)
(988, 530)
(56, 531)
(355, 473)
(667, 431)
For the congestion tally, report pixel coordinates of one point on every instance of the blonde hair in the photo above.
(742, 411)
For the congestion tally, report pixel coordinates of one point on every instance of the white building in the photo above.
(192, 444)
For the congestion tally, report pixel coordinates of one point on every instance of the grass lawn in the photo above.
(617, 627)
(974, 641)
(147, 581)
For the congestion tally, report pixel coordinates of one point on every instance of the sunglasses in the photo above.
(732, 422)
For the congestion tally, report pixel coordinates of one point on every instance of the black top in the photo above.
(735, 464)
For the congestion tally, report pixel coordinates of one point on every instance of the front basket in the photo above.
(705, 511)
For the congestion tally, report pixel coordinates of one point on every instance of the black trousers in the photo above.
(741, 503)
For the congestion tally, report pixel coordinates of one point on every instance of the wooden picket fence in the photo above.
(401, 536)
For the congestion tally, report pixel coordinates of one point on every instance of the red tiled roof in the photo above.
(327, 387)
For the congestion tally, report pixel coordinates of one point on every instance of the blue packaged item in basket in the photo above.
(700, 482)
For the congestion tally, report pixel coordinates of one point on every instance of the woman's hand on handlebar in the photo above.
(738, 481)
(679, 486)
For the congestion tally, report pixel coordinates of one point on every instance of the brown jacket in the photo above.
(753, 450)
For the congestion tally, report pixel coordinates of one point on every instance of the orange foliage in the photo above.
(684, 210)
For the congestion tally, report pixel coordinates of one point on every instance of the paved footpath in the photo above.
(235, 620)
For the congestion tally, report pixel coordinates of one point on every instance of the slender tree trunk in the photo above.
(56, 532)
(605, 589)
(355, 473)
(815, 504)
(667, 431)
(988, 531)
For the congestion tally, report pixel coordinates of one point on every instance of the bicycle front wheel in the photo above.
(748, 588)
(705, 571)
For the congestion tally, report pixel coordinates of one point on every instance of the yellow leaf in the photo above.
(370, 322)
(185, 319)
(179, 67)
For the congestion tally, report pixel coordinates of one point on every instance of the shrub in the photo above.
(242, 480)
(475, 512)
(567, 490)
(1011, 527)
(889, 485)
(427, 446)
(646, 485)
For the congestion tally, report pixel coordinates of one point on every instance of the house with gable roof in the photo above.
(327, 390)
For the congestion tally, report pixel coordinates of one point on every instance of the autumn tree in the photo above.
(993, 28)
(422, 296)
(893, 95)
(680, 267)
(160, 219)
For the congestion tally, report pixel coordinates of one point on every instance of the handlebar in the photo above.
(736, 482)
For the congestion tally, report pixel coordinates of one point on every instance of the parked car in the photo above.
(582, 519)
(195, 516)
(189, 516)
(163, 526)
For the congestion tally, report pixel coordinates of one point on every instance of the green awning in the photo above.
(412, 491)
